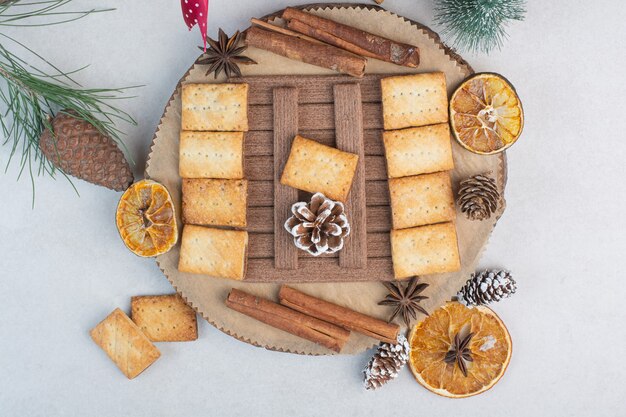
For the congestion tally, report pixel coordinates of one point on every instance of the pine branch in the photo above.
(30, 95)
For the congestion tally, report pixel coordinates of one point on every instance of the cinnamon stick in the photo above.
(291, 321)
(322, 55)
(280, 29)
(352, 39)
(338, 315)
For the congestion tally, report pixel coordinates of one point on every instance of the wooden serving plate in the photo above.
(354, 287)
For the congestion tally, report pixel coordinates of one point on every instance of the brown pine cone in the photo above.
(82, 151)
(318, 226)
(478, 197)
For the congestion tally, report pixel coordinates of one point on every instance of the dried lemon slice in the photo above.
(486, 114)
(146, 220)
(434, 341)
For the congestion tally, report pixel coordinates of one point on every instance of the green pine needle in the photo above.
(30, 95)
(30, 13)
(477, 25)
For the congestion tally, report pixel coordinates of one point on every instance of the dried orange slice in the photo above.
(486, 114)
(437, 362)
(146, 220)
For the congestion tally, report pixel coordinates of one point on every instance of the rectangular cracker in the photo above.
(314, 167)
(215, 252)
(418, 150)
(211, 155)
(124, 343)
(414, 100)
(431, 249)
(422, 199)
(214, 202)
(164, 318)
(215, 107)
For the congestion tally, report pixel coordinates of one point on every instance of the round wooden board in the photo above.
(207, 294)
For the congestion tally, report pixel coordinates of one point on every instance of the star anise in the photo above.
(459, 352)
(225, 55)
(405, 298)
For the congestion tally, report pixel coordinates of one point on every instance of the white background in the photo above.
(63, 267)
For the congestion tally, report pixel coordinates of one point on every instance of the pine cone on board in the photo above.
(319, 226)
(486, 287)
(79, 149)
(478, 197)
(386, 363)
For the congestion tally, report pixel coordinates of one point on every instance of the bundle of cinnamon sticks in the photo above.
(311, 318)
(329, 44)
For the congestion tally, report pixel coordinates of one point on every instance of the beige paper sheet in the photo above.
(207, 294)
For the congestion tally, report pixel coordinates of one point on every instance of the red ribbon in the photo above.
(196, 12)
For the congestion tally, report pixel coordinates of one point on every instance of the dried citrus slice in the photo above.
(486, 114)
(444, 367)
(146, 220)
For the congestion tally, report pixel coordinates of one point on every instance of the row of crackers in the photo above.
(418, 152)
(214, 117)
(211, 162)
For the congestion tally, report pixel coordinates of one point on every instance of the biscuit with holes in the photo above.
(414, 100)
(424, 250)
(125, 343)
(418, 150)
(215, 107)
(314, 167)
(216, 252)
(214, 202)
(420, 200)
(211, 155)
(164, 318)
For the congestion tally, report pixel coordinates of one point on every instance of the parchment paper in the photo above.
(206, 294)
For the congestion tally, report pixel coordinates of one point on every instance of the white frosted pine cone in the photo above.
(386, 363)
(486, 287)
(319, 226)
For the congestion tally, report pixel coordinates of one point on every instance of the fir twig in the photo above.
(477, 25)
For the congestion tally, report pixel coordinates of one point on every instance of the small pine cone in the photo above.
(79, 149)
(319, 226)
(478, 197)
(486, 287)
(386, 363)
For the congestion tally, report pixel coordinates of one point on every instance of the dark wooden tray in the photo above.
(338, 111)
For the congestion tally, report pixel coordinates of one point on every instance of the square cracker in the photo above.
(216, 252)
(414, 100)
(214, 202)
(425, 250)
(124, 343)
(314, 167)
(419, 150)
(420, 200)
(215, 107)
(211, 155)
(164, 318)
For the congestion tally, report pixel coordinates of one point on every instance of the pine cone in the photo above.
(318, 226)
(386, 363)
(478, 197)
(79, 149)
(486, 287)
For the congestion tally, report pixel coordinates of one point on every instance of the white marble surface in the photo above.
(63, 266)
